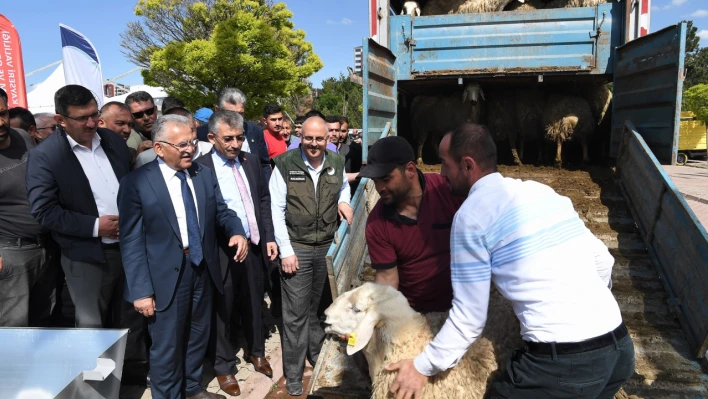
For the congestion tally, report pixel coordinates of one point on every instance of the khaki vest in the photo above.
(311, 219)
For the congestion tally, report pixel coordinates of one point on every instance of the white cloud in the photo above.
(678, 2)
(703, 34)
(666, 7)
(700, 13)
(344, 21)
(655, 8)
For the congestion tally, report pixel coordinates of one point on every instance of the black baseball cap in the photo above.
(385, 155)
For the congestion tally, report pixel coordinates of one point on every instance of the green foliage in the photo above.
(341, 97)
(196, 48)
(695, 100)
(696, 59)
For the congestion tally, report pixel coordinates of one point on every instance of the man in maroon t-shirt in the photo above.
(408, 231)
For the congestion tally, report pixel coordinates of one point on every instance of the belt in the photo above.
(569, 348)
(22, 241)
(114, 245)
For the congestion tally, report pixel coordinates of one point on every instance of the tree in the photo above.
(196, 48)
(341, 97)
(696, 59)
(696, 101)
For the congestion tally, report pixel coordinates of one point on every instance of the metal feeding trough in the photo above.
(46, 363)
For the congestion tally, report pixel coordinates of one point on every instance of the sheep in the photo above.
(501, 120)
(410, 8)
(388, 330)
(599, 97)
(529, 107)
(437, 115)
(567, 117)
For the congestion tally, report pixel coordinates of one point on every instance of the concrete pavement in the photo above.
(692, 181)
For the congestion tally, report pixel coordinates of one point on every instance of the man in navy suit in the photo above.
(171, 211)
(245, 190)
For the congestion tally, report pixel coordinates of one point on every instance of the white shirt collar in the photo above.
(487, 180)
(95, 142)
(224, 161)
(167, 171)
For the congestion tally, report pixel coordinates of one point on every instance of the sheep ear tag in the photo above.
(361, 335)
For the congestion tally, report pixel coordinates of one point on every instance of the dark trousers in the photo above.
(245, 281)
(27, 290)
(303, 333)
(180, 334)
(594, 374)
(97, 293)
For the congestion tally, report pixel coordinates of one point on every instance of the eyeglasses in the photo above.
(230, 139)
(83, 119)
(183, 145)
(51, 127)
(139, 114)
(311, 139)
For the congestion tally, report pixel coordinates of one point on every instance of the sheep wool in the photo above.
(565, 118)
(440, 7)
(401, 333)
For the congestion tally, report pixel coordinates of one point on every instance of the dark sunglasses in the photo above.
(150, 111)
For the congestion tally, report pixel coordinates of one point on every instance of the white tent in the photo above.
(41, 98)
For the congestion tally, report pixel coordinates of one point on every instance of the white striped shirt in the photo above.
(531, 243)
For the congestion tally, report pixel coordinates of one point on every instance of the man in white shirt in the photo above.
(72, 186)
(531, 243)
(308, 190)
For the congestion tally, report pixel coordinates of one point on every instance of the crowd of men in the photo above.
(88, 237)
(168, 224)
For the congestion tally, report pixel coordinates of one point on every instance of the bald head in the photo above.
(116, 116)
(314, 138)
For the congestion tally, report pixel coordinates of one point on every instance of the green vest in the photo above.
(311, 218)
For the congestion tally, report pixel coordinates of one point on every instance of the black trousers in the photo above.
(244, 286)
(594, 374)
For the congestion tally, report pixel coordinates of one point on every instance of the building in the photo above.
(358, 60)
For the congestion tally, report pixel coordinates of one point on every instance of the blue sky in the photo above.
(334, 27)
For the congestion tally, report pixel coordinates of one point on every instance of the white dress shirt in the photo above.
(101, 177)
(174, 187)
(229, 187)
(530, 242)
(278, 193)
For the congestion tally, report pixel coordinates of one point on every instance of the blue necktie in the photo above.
(195, 239)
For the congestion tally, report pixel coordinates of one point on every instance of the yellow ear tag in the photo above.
(352, 339)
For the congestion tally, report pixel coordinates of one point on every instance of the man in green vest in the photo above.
(309, 195)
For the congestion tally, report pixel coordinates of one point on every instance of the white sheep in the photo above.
(411, 8)
(568, 117)
(437, 115)
(599, 97)
(389, 330)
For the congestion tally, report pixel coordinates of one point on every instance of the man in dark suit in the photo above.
(246, 192)
(171, 211)
(232, 99)
(72, 186)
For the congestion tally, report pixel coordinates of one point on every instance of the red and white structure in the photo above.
(639, 18)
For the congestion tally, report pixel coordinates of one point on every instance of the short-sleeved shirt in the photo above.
(419, 248)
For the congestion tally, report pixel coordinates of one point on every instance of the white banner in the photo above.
(81, 63)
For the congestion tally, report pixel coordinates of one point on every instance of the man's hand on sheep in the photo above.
(346, 212)
(289, 264)
(409, 382)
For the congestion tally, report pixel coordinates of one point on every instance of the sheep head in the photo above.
(411, 8)
(569, 123)
(359, 311)
(473, 92)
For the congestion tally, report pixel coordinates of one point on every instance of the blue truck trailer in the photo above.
(660, 277)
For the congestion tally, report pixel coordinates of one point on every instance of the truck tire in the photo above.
(681, 158)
